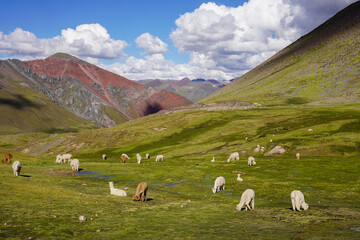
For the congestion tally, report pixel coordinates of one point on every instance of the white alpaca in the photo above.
(310, 130)
(298, 200)
(213, 159)
(16, 166)
(159, 157)
(59, 159)
(74, 163)
(125, 155)
(219, 185)
(147, 156)
(66, 156)
(239, 178)
(116, 191)
(138, 157)
(257, 149)
(247, 197)
(233, 156)
(251, 161)
(104, 157)
(298, 156)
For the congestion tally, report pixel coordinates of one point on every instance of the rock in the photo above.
(278, 150)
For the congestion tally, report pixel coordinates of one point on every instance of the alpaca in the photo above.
(116, 191)
(141, 192)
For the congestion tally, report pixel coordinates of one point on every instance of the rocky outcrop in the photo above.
(278, 150)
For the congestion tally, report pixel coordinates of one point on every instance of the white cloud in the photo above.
(151, 44)
(157, 67)
(230, 38)
(87, 40)
(235, 38)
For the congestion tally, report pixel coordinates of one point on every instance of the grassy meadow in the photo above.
(45, 202)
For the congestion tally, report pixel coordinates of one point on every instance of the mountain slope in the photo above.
(321, 67)
(27, 110)
(92, 92)
(191, 89)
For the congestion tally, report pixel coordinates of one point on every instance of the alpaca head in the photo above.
(214, 190)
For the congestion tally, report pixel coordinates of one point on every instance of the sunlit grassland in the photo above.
(45, 202)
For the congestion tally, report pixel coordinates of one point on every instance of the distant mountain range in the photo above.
(85, 90)
(194, 90)
(322, 67)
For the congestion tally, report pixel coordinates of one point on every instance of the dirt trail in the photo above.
(43, 148)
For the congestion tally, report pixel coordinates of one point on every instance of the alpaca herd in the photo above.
(247, 198)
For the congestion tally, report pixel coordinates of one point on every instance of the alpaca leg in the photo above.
(253, 203)
(293, 204)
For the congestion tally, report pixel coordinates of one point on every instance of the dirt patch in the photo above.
(56, 173)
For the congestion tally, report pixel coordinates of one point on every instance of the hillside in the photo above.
(193, 90)
(27, 110)
(321, 67)
(90, 92)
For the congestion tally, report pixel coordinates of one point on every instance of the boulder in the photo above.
(278, 150)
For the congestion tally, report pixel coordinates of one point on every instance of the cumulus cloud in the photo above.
(157, 67)
(240, 38)
(151, 44)
(87, 40)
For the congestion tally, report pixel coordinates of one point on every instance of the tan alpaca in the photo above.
(298, 156)
(141, 191)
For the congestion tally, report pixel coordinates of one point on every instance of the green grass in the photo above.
(48, 202)
(42, 204)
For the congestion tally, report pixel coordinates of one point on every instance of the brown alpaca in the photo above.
(3, 161)
(8, 158)
(141, 191)
(123, 158)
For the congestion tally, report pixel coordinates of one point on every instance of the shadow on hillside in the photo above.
(27, 176)
(152, 108)
(20, 102)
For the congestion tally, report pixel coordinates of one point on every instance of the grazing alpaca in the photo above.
(251, 161)
(298, 156)
(141, 191)
(74, 163)
(247, 197)
(7, 158)
(213, 159)
(219, 185)
(147, 156)
(138, 157)
(124, 157)
(104, 157)
(233, 156)
(298, 200)
(159, 157)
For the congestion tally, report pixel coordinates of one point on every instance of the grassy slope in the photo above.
(28, 111)
(320, 67)
(327, 175)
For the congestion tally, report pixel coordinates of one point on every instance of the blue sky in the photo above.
(218, 39)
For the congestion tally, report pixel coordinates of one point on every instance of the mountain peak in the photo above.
(68, 57)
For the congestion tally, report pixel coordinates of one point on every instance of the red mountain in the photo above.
(126, 96)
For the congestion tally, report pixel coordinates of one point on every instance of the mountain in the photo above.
(194, 90)
(24, 109)
(320, 67)
(92, 92)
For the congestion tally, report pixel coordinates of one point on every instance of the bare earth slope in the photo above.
(321, 67)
